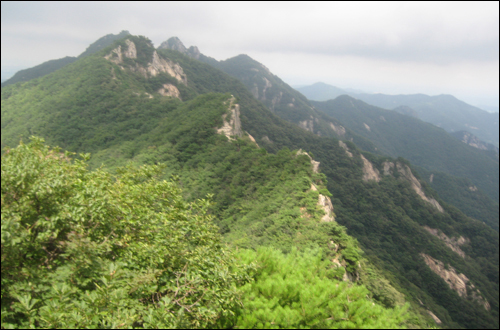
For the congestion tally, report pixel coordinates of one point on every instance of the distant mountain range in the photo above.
(444, 111)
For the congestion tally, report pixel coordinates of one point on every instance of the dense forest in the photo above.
(85, 243)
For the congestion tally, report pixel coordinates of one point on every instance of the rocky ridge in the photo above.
(457, 282)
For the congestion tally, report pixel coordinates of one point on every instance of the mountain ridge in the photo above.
(118, 113)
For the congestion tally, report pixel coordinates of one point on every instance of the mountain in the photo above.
(321, 91)
(272, 182)
(473, 141)
(53, 65)
(444, 111)
(428, 147)
(275, 94)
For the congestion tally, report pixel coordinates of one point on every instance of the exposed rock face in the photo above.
(326, 205)
(453, 243)
(156, 65)
(431, 178)
(159, 64)
(388, 168)
(339, 130)
(252, 139)
(314, 164)
(173, 43)
(194, 52)
(131, 51)
(406, 172)
(170, 90)
(344, 146)
(473, 188)
(473, 141)
(369, 172)
(457, 282)
(434, 317)
(367, 127)
(308, 125)
(231, 126)
(115, 56)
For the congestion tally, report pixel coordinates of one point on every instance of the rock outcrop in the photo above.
(176, 44)
(417, 187)
(388, 168)
(324, 202)
(154, 67)
(339, 130)
(457, 282)
(344, 146)
(453, 243)
(231, 122)
(369, 172)
(308, 125)
(169, 90)
(434, 317)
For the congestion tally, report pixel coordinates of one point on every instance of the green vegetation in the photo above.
(297, 291)
(261, 196)
(87, 249)
(434, 151)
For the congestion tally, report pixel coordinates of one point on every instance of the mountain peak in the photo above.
(174, 43)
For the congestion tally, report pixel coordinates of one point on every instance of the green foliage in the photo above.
(261, 195)
(90, 249)
(297, 291)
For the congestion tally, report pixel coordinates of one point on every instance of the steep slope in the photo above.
(425, 145)
(275, 94)
(53, 65)
(121, 105)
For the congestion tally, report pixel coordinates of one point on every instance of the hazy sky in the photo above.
(390, 47)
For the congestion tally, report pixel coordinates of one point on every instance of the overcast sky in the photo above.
(389, 47)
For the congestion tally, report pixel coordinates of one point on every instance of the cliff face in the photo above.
(406, 173)
(154, 67)
(453, 243)
(457, 282)
(231, 122)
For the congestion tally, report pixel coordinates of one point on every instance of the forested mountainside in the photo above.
(275, 94)
(444, 111)
(130, 102)
(425, 145)
(53, 65)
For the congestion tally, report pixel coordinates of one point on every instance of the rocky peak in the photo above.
(174, 43)
(194, 52)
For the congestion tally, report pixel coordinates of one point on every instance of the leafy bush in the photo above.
(90, 249)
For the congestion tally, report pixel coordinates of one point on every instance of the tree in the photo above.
(91, 249)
